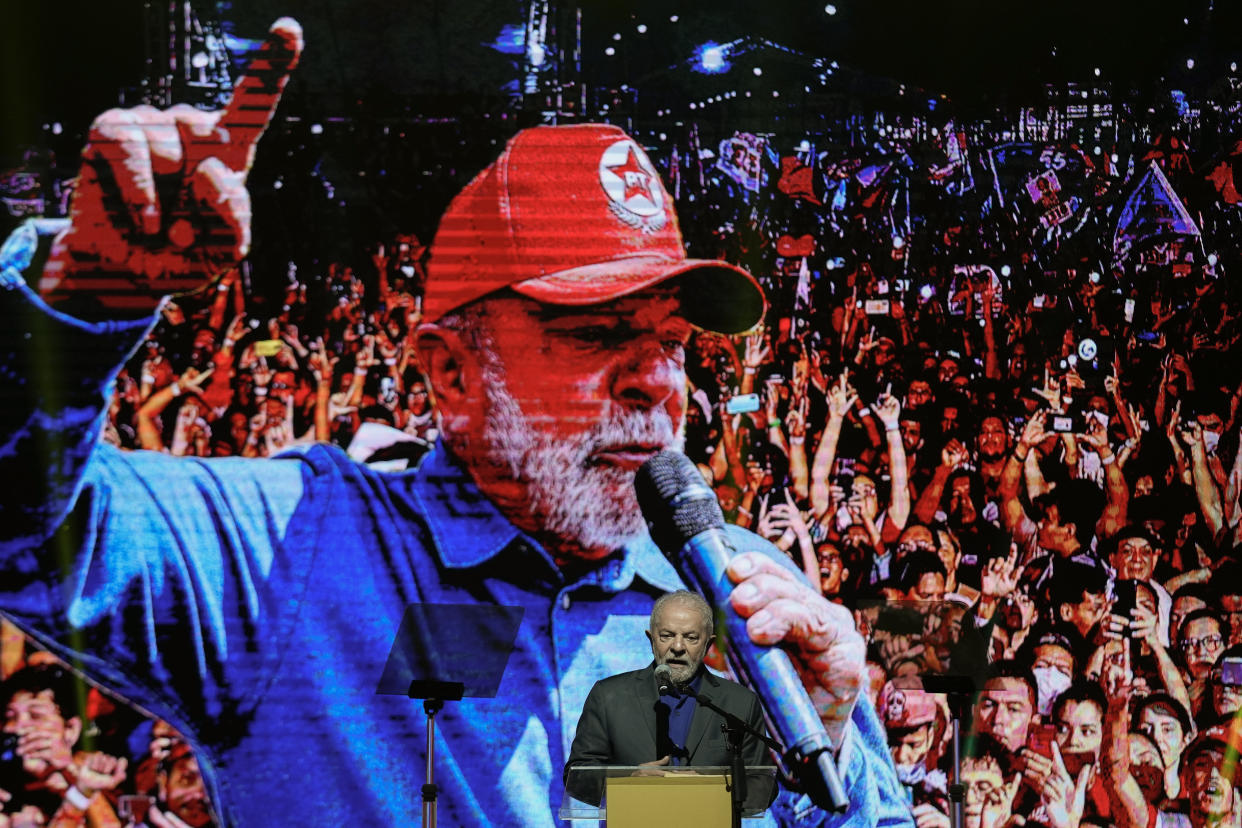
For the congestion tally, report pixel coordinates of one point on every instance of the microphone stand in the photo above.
(735, 730)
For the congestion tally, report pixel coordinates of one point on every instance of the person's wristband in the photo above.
(176, 389)
(362, 372)
(227, 344)
(796, 441)
(749, 369)
(1021, 458)
(260, 390)
(1109, 460)
(864, 411)
(390, 361)
(774, 422)
(891, 429)
(77, 799)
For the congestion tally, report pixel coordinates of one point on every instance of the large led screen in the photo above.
(336, 339)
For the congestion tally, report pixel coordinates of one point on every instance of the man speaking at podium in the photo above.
(626, 721)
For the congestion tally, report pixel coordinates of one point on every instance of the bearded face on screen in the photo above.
(561, 462)
(571, 496)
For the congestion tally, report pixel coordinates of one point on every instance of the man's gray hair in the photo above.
(685, 596)
(468, 320)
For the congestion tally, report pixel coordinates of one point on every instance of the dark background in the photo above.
(70, 59)
(412, 98)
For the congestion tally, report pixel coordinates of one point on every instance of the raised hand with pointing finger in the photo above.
(888, 409)
(841, 397)
(161, 204)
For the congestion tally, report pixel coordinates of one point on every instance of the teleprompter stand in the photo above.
(434, 694)
(930, 624)
(443, 653)
(960, 691)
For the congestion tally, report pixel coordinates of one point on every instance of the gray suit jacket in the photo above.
(618, 726)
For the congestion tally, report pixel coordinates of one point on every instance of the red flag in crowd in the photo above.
(797, 179)
(1221, 175)
(1171, 153)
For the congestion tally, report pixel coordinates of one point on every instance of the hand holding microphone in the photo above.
(808, 686)
(828, 652)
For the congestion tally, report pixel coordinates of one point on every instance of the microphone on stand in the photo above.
(686, 523)
(664, 681)
(665, 686)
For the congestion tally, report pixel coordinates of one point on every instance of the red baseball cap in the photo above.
(577, 215)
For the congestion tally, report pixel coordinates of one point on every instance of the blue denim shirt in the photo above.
(252, 603)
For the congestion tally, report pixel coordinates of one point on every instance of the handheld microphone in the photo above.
(686, 523)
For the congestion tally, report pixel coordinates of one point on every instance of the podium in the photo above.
(629, 796)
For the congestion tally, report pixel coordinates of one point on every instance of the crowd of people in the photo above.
(230, 379)
(71, 755)
(1028, 481)
(1010, 448)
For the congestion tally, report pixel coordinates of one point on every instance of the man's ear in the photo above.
(443, 355)
(1065, 612)
(73, 730)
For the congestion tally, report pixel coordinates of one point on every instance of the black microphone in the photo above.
(686, 523)
(664, 680)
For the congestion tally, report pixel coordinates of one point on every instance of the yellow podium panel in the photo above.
(645, 801)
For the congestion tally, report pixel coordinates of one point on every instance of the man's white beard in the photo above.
(683, 674)
(572, 498)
